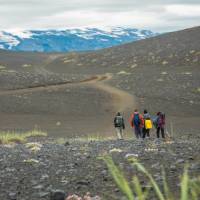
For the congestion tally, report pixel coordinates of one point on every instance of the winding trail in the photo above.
(121, 99)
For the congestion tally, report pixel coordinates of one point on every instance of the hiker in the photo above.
(119, 125)
(137, 122)
(147, 124)
(160, 123)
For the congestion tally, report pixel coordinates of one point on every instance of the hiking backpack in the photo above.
(155, 121)
(119, 121)
(148, 124)
(136, 120)
(161, 119)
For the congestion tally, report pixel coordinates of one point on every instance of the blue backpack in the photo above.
(155, 121)
(136, 120)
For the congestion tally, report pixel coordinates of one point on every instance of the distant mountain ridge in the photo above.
(70, 39)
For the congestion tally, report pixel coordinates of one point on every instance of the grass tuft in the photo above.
(13, 137)
(119, 178)
(189, 188)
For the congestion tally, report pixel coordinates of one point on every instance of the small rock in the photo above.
(191, 102)
(104, 172)
(43, 194)
(38, 187)
(160, 80)
(83, 182)
(147, 187)
(31, 161)
(164, 62)
(191, 158)
(58, 195)
(172, 167)
(115, 150)
(44, 176)
(67, 143)
(117, 190)
(123, 73)
(58, 123)
(105, 179)
(156, 165)
(12, 196)
(179, 161)
(195, 166)
(131, 155)
(158, 177)
(10, 169)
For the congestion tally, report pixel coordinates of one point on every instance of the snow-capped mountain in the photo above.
(70, 39)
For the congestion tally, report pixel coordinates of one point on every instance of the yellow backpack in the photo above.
(148, 124)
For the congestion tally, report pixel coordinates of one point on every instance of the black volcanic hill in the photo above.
(161, 72)
(162, 69)
(179, 48)
(78, 94)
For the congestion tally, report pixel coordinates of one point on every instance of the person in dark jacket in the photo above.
(119, 125)
(145, 130)
(160, 124)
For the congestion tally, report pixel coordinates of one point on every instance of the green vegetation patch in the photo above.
(26, 65)
(31, 161)
(196, 90)
(123, 73)
(13, 137)
(34, 146)
(164, 62)
(132, 190)
(2, 67)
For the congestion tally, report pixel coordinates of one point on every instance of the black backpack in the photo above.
(119, 121)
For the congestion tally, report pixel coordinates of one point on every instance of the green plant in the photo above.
(60, 141)
(119, 178)
(189, 188)
(141, 168)
(13, 137)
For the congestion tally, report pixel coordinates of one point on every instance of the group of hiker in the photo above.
(141, 124)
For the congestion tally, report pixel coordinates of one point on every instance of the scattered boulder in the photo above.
(131, 155)
(57, 195)
(31, 161)
(123, 73)
(12, 196)
(115, 150)
(33, 146)
(164, 62)
(179, 161)
(58, 123)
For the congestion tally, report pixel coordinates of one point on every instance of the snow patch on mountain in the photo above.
(22, 34)
(7, 39)
(65, 40)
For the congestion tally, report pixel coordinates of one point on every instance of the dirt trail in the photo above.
(36, 111)
(56, 86)
(121, 99)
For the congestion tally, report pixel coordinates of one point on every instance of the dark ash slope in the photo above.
(162, 72)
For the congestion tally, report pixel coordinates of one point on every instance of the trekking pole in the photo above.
(172, 129)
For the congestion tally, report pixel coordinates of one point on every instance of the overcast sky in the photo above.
(156, 15)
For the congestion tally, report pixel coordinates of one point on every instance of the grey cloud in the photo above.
(120, 5)
(38, 14)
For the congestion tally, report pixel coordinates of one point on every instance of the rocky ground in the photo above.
(34, 171)
(76, 94)
(161, 73)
